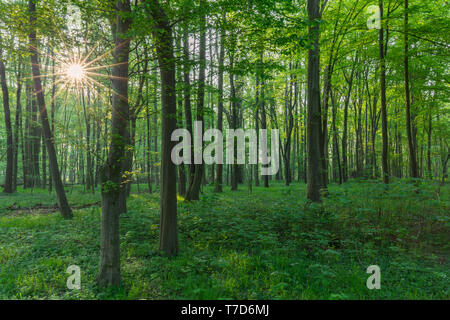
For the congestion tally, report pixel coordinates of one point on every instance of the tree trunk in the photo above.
(384, 129)
(430, 128)
(219, 176)
(262, 109)
(8, 188)
(193, 192)
(18, 135)
(314, 113)
(411, 148)
(64, 208)
(113, 187)
(234, 125)
(162, 33)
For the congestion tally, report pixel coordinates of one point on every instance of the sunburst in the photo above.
(75, 72)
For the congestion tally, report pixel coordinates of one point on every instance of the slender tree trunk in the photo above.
(219, 177)
(187, 95)
(430, 127)
(412, 153)
(384, 124)
(44, 168)
(52, 115)
(149, 152)
(234, 125)
(8, 188)
(336, 155)
(257, 127)
(64, 208)
(35, 142)
(193, 192)
(262, 109)
(156, 172)
(181, 167)
(18, 135)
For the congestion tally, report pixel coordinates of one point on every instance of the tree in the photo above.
(9, 187)
(63, 204)
(411, 147)
(314, 114)
(195, 183)
(384, 124)
(162, 34)
(218, 187)
(112, 172)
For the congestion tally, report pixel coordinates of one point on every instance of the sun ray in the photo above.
(59, 33)
(58, 92)
(41, 53)
(106, 76)
(44, 76)
(106, 88)
(105, 66)
(106, 101)
(99, 57)
(106, 53)
(83, 62)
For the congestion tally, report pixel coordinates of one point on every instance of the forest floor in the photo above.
(269, 244)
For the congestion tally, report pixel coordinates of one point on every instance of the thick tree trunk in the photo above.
(113, 195)
(314, 113)
(162, 33)
(64, 208)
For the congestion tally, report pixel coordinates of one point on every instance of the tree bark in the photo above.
(162, 33)
(193, 192)
(219, 172)
(262, 109)
(8, 187)
(18, 134)
(413, 171)
(113, 186)
(314, 114)
(384, 129)
(64, 207)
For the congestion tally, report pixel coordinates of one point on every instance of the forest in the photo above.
(224, 149)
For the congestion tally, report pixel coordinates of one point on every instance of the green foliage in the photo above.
(268, 245)
(110, 187)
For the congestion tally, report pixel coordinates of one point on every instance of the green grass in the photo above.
(270, 244)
